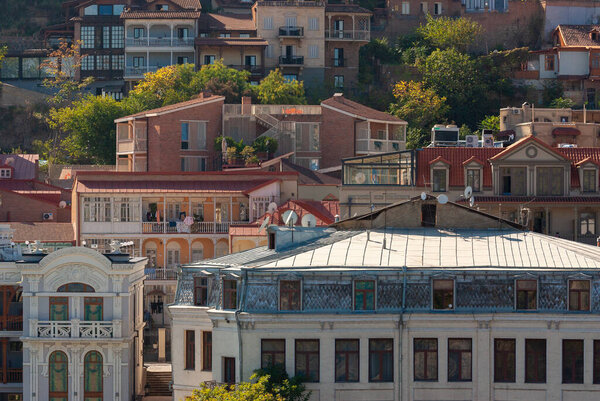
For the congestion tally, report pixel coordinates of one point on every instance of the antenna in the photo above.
(272, 207)
(423, 196)
(308, 220)
(442, 199)
(264, 223)
(468, 192)
(471, 201)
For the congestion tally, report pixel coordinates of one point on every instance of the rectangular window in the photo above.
(549, 62)
(579, 295)
(364, 295)
(229, 294)
(272, 352)
(514, 181)
(92, 309)
(105, 9)
(91, 10)
(459, 359)
(224, 35)
(381, 360)
(504, 360)
(572, 362)
(193, 163)
(589, 180)
(269, 51)
(439, 180)
(88, 37)
(474, 179)
(535, 361)
(185, 136)
(268, 23)
(587, 223)
(244, 35)
(596, 361)
(229, 370)
(549, 181)
(126, 209)
(405, 8)
(437, 8)
(193, 135)
(307, 359)
(313, 51)
(139, 33)
(103, 62)
(190, 349)
(526, 294)
(347, 359)
(118, 62)
(207, 350)
(59, 308)
(106, 37)
(289, 295)
(313, 24)
(118, 37)
(425, 359)
(139, 62)
(200, 291)
(424, 8)
(96, 209)
(5, 173)
(209, 59)
(443, 294)
(338, 81)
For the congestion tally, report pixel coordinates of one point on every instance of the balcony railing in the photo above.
(159, 42)
(291, 60)
(202, 227)
(377, 146)
(291, 31)
(154, 273)
(131, 145)
(348, 35)
(75, 329)
(11, 323)
(12, 375)
(138, 72)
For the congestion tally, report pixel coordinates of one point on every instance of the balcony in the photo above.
(159, 42)
(130, 145)
(138, 72)
(75, 329)
(377, 146)
(253, 69)
(291, 32)
(11, 323)
(203, 227)
(338, 62)
(153, 273)
(291, 60)
(348, 35)
(12, 375)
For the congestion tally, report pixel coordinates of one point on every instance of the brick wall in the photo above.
(19, 208)
(164, 136)
(337, 137)
(350, 66)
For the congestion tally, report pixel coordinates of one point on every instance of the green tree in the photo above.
(3, 50)
(417, 138)
(491, 122)
(450, 33)
(421, 107)
(562, 103)
(246, 391)
(279, 382)
(274, 89)
(553, 89)
(219, 79)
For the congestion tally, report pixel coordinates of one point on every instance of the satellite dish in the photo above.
(442, 199)
(62, 204)
(423, 196)
(360, 177)
(468, 192)
(264, 223)
(471, 201)
(272, 207)
(308, 220)
(290, 218)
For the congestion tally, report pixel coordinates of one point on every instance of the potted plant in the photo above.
(247, 153)
(252, 161)
(265, 147)
(232, 155)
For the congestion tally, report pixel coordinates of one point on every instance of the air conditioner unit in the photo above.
(472, 141)
(516, 111)
(48, 216)
(488, 141)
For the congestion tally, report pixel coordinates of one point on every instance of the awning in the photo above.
(565, 131)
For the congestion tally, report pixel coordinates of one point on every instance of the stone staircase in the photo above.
(158, 383)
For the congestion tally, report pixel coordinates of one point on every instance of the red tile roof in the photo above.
(339, 102)
(172, 107)
(25, 166)
(230, 42)
(148, 186)
(324, 211)
(144, 14)
(35, 190)
(45, 232)
(578, 35)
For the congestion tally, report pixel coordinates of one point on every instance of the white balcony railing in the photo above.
(348, 35)
(159, 42)
(196, 228)
(138, 72)
(75, 329)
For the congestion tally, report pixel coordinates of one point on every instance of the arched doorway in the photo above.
(58, 376)
(92, 376)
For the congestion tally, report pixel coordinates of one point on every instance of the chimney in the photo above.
(338, 97)
(246, 105)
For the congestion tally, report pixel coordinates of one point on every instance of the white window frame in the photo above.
(437, 8)
(405, 8)
(268, 23)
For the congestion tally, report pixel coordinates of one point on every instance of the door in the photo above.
(250, 61)
(209, 59)
(338, 57)
(229, 370)
(289, 52)
(182, 60)
(339, 27)
(151, 255)
(183, 33)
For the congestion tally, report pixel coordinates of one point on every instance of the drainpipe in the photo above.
(237, 321)
(400, 328)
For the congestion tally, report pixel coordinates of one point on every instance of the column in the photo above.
(353, 28)
(214, 214)
(230, 209)
(164, 216)
(575, 224)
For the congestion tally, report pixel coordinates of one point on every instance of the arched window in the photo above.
(221, 249)
(173, 254)
(197, 251)
(58, 371)
(92, 376)
(75, 287)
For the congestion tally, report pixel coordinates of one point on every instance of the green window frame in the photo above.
(92, 377)
(58, 376)
(364, 295)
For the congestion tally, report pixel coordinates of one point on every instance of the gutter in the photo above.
(400, 327)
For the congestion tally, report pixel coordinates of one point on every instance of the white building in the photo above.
(416, 301)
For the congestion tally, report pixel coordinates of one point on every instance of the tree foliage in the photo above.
(247, 391)
(491, 122)
(279, 382)
(274, 89)
(562, 103)
(450, 33)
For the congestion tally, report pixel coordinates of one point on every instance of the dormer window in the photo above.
(550, 181)
(439, 180)
(594, 35)
(5, 173)
(589, 180)
(162, 7)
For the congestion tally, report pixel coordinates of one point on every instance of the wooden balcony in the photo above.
(348, 34)
(11, 323)
(526, 74)
(12, 375)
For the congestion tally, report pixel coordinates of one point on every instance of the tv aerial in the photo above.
(290, 218)
(308, 220)
(471, 201)
(442, 199)
(264, 224)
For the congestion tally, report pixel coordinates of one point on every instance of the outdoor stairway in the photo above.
(158, 383)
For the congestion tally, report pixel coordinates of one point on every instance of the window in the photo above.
(93, 376)
(428, 214)
(229, 370)
(118, 62)
(118, 9)
(92, 309)
(200, 291)
(549, 181)
(105, 9)
(197, 251)
(9, 68)
(75, 287)
(139, 62)
(549, 62)
(589, 180)
(526, 294)
(193, 163)
(103, 62)
(439, 180)
(272, 352)
(364, 295)
(244, 35)
(535, 361)
(595, 60)
(596, 361)
(347, 359)
(91, 10)
(290, 77)
(587, 223)
(338, 57)
(579, 295)
(106, 37)
(209, 59)
(59, 308)
(11, 308)
(405, 8)
(58, 376)
(183, 33)
(207, 350)
(118, 37)
(443, 294)
(289, 295)
(338, 81)
(459, 359)
(184, 135)
(190, 349)
(381, 360)
(514, 181)
(268, 23)
(229, 294)
(424, 8)
(474, 179)
(504, 360)
(572, 362)
(139, 33)
(307, 359)
(425, 359)
(313, 24)
(126, 209)
(193, 135)
(5, 173)
(250, 61)
(269, 51)
(437, 8)
(224, 35)
(88, 37)
(313, 51)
